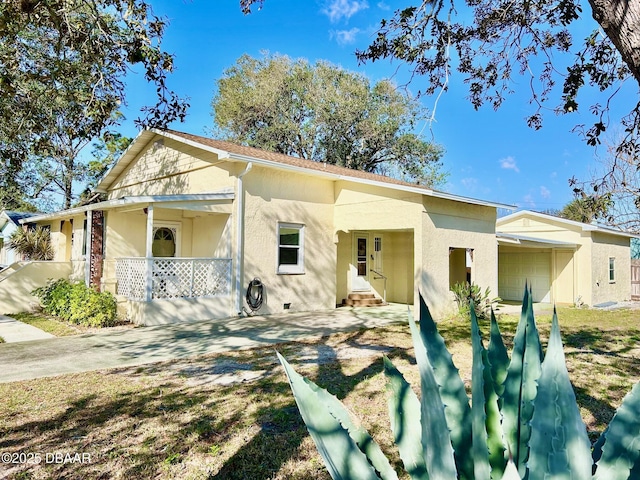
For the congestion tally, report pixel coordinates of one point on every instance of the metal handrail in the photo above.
(384, 277)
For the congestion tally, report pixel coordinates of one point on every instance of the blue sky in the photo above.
(489, 155)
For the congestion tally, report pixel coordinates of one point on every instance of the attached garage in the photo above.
(526, 265)
(564, 261)
(547, 266)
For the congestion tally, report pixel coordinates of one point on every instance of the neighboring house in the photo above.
(9, 223)
(190, 221)
(562, 260)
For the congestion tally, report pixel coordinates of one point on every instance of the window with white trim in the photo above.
(290, 248)
(612, 269)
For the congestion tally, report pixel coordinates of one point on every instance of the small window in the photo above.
(290, 248)
(612, 269)
(164, 242)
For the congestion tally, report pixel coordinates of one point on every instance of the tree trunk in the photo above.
(620, 20)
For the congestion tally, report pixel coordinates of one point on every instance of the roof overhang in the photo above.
(195, 202)
(145, 136)
(508, 239)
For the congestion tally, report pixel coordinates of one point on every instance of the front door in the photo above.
(360, 268)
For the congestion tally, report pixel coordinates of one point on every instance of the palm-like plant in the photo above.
(32, 244)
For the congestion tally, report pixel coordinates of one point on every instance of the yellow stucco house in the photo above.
(190, 221)
(562, 260)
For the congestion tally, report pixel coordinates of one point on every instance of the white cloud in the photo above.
(528, 200)
(509, 163)
(545, 192)
(336, 10)
(383, 6)
(469, 183)
(345, 37)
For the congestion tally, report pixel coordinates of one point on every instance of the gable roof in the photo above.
(7, 216)
(571, 224)
(233, 152)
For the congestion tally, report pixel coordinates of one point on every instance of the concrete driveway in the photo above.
(137, 346)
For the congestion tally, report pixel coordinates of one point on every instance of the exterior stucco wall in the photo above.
(163, 312)
(604, 247)
(367, 207)
(15, 290)
(343, 265)
(172, 168)
(449, 224)
(399, 266)
(273, 196)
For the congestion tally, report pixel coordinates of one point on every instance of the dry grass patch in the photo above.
(47, 324)
(232, 416)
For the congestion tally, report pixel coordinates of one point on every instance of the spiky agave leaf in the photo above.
(404, 414)
(487, 447)
(559, 445)
(621, 448)
(348, 451)
(520, 385)
(452, 392)
(498, 357)
(436, 438)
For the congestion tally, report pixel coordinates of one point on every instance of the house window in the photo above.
(377, 254)
(612, 269)
(164, 242)
(290, 248)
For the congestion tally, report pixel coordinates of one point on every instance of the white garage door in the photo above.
(514, 269)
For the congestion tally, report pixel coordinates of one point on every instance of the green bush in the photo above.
(465, 293)
(54, 297)
(521, 422)
(77, 303)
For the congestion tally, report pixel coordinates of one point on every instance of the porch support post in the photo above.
(149, 254)
(87, 249)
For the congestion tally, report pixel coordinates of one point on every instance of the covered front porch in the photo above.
(169, 258)
(378, 262)
(166, 257)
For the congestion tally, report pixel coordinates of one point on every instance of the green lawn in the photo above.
(188, 420)
(46, 323)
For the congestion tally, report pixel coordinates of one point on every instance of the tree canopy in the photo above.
(63, 65)
(585, 209)
(324, 113)
(492, 43)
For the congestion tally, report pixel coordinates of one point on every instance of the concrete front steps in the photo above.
(363, 300)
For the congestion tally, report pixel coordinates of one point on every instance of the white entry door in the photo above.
(361, 259)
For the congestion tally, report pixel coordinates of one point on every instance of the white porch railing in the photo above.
(173, 277)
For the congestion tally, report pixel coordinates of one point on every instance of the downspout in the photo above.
(240, 237)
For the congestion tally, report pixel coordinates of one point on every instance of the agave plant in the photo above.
(523, 421)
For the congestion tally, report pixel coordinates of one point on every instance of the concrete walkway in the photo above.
(12, 330)
(137, 346)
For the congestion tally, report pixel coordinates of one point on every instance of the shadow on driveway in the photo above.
(137, 346)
